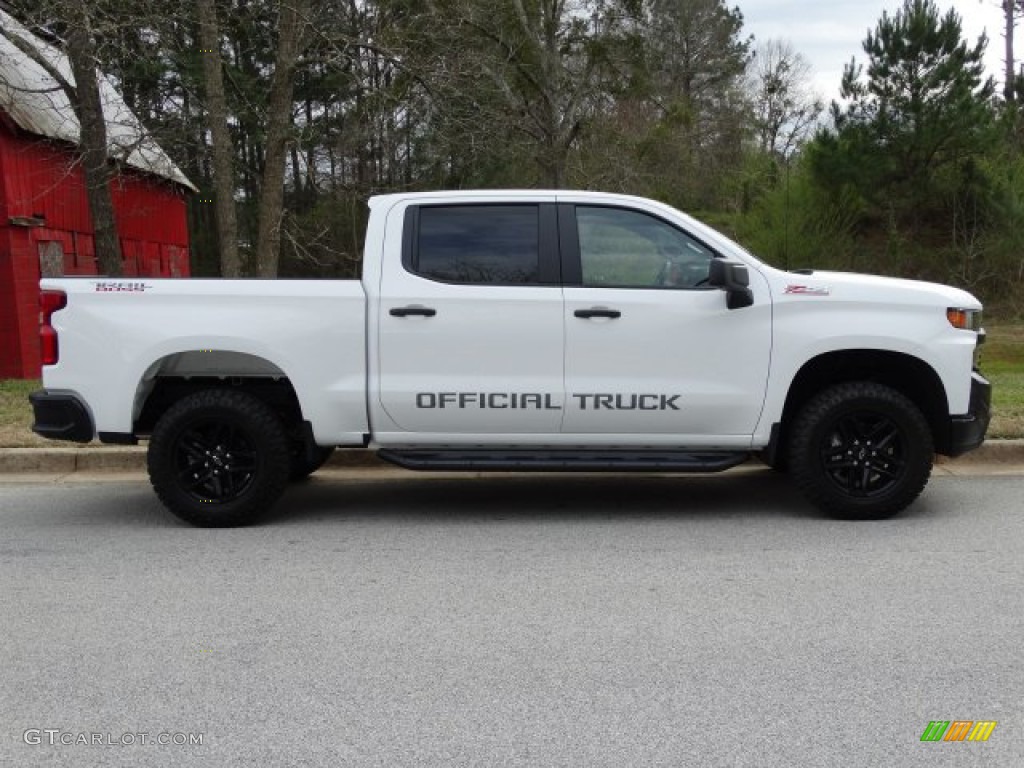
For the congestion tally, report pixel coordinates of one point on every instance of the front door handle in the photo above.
(597, 312)
(408, 311)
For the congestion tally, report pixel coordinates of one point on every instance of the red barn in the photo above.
(45, 226)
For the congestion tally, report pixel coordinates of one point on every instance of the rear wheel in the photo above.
(861, 451)
(218, 458)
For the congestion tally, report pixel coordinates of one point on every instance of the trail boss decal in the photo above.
(119, 287)
(545, 402)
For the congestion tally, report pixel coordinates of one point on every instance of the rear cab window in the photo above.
(475, 244)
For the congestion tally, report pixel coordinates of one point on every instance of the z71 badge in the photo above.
(808, 290)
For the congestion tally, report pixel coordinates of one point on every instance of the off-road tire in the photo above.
(219, 458)
(861, 451)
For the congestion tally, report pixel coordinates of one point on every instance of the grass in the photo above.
(1002, 361)
(16, 415)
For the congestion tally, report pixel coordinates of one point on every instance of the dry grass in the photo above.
(1002, 362)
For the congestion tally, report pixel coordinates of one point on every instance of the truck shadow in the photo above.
(555, 496)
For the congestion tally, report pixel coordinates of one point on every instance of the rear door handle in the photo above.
(408, 311)
(586, 314)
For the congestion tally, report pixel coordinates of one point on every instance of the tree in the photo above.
(1011, 10)
(786, 111)
(696, 52)
(291, 39)
(223, 149)
(696, 59)
(543, 63)
(82, 91)
(924, 107)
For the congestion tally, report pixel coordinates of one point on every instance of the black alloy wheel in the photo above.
(864, 454)
(215, 461)
(219, 457)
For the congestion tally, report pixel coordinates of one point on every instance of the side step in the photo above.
(563, 460)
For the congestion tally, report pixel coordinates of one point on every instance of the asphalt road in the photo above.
(534, 621)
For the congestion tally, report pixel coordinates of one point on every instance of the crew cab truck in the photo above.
(520, 330)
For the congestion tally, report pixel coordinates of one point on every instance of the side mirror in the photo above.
(733, 278)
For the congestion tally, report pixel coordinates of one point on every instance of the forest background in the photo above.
(289, 114)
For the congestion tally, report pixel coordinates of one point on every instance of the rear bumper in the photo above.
(61, 417)
(967, 432)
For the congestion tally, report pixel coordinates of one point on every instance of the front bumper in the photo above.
(967, 432)
(61, 416)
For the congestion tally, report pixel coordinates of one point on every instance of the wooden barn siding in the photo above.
(41, 179)
(19, 347)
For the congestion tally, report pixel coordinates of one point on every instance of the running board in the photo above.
(563, 461)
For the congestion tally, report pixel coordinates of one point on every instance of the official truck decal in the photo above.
(492, 400)
(545, 402)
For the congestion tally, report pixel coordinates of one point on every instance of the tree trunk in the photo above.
(93, 145)
(1009, 13)
(279, 123)
(223, 148)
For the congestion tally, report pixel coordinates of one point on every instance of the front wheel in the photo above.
(861, 451)
(218, 458)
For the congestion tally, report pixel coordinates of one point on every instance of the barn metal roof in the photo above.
(37, 104)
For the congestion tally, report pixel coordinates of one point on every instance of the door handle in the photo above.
(407, 311)
(597, 312)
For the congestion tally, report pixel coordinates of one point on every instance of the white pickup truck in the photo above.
(520, 330)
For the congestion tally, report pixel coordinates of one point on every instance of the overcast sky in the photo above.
(829, 32)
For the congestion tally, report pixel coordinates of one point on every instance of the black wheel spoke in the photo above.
(842, 461)
(194, 446)
(190, 478)
(889, 471)
(847, 429)
(844, 479)
(861, 452)
(229, 480)
(215, 460)
(886, 437)
(242, 459)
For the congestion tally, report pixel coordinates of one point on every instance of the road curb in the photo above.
(990, 452)
(64, 461)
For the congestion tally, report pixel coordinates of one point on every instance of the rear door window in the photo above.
(478, 244)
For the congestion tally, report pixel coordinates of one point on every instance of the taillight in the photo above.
(49, 302)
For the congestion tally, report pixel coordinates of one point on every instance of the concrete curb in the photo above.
(990, 452)
(65, 461)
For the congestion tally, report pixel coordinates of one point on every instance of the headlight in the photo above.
(964, 319)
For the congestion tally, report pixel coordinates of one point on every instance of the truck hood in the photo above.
(850, 286)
